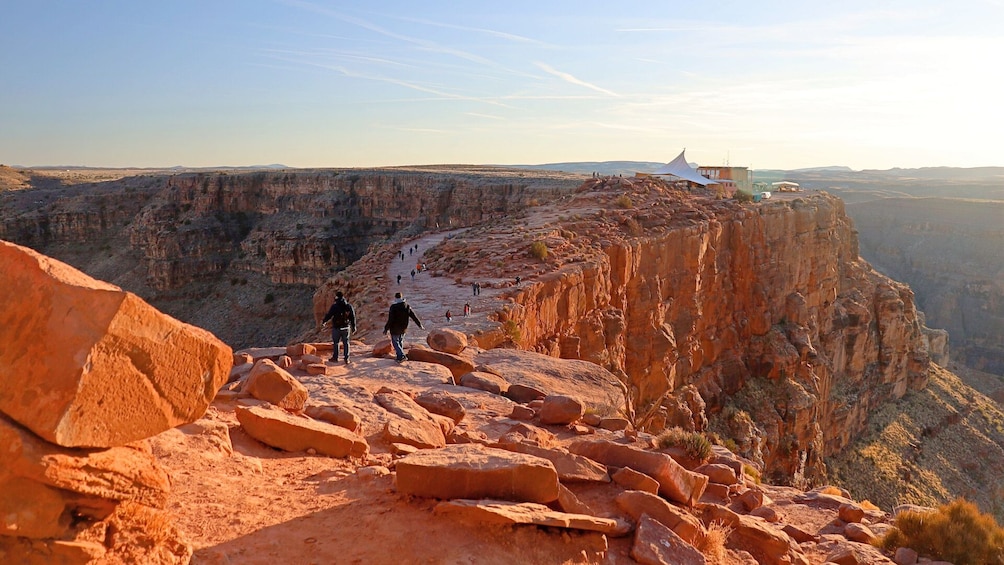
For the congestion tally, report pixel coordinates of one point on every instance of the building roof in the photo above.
(681, 169)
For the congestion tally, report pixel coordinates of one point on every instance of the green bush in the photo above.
(743, 196)
(694, 443)
(539, 250)
(956, 532)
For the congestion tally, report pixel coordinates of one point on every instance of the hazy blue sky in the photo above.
(312, 83)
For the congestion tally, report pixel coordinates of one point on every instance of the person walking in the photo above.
(343, 324)
(399, 279)
(449, 316)
(467, 309)
(397, 324)
(413, 274)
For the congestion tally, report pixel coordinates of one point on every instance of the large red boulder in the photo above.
(86, 364)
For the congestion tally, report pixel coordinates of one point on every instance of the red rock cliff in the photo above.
(765, 310)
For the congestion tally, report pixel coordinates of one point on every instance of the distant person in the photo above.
(474, 289)
(411, 250)
(343, 324)
(397, 324)
(517, 281)
(413, 274)
(467, 309)
(449, 316)
(399, 279)
(477, 289)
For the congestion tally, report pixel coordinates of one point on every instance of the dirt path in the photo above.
(430, 296)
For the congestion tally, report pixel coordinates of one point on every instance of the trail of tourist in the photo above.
(431, 295)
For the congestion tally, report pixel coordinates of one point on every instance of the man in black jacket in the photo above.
(343, 323)
(397, 324)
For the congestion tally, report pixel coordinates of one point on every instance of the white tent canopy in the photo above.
(681, 169)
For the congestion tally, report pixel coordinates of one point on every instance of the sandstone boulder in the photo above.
(337, 415)
(655, 544)
(285, 431)
(383, 349)
(859, 533)
(637, 503)
(446, 340)
(675, 482)
(456, 364)
(614, 424)
(523, 393)
(718, 474)
(511, 513)
(87, 364)
(520, 412)
(421, 434)
(442, 403)
(271, 383)
(559, 409)
(570, 503)
(633, 480)
(300, 349)
(484, 381)
(474, 471)
(570, 467)
(850, 512)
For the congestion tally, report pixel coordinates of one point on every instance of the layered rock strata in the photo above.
(763, 312)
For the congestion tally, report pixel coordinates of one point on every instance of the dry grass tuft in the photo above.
(956, 532)
(713, 546)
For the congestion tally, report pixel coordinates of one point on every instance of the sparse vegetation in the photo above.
(694, 443)
(512, 330)
(539, 250)
(751, 472)
(743, 196)
(956, 532)
(713, 545)
(624, 201)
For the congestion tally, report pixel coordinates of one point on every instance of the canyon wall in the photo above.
(758, 322)
(239, 253)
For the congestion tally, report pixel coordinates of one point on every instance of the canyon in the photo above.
(755, 324)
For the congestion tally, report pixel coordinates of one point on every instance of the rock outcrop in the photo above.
(763, 312)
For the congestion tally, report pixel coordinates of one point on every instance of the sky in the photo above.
(313, 83)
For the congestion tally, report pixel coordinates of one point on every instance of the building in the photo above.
(740, 178)
(786, 186)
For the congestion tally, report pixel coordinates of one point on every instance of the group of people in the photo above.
(342, 317)
(343, 324)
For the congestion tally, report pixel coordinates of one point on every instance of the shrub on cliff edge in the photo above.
(539, 250)
(694, 443)
(743, 196)
(956, 532)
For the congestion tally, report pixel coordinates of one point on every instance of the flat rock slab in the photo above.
(474, 471)
(636, 503)
(484, 381)
(285, 431)
(675, 482)
(442, 403)
(86, 364)
(512, 513)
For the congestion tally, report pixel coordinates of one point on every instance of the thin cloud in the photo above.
(500, 34)
(573, 80)
(489, 116)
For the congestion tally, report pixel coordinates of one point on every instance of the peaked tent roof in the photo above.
(680, 168)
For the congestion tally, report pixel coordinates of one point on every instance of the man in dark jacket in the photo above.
(343, 323)
(397, 324)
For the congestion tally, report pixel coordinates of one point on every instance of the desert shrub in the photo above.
(511, 329)
(539, 250)
(751, 472)
(743, 196)
(713, 545)
(956, 532)
(624, 201)
(633, 227)
(694, 443)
